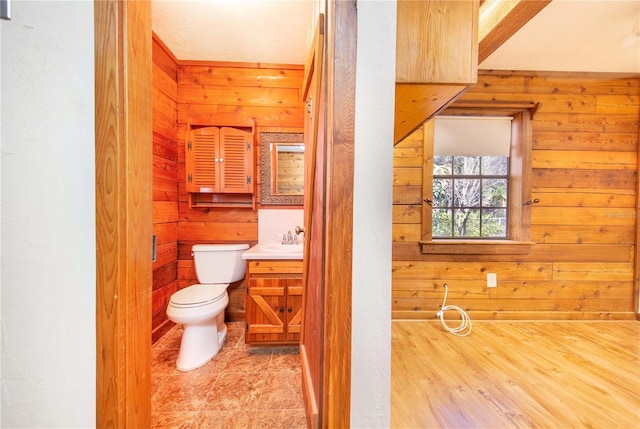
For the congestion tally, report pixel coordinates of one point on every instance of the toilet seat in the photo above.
(198, 295)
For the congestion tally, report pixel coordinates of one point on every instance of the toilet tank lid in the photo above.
(218, 247)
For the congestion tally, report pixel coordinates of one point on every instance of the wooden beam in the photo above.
(501, 19)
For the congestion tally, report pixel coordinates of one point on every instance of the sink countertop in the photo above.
(256, 252)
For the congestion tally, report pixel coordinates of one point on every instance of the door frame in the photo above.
(123, 147)
(124, 209)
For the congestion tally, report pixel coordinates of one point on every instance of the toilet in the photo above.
(200, 308)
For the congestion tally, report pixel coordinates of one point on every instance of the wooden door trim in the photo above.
(636, 280)
(123, 147)
(313, 96)
(342, 24)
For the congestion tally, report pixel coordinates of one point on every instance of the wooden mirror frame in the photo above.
(266, 197)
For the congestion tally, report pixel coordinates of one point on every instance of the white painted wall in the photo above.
(48, 247)
(371, 324)
(0, 224)
(273, 223)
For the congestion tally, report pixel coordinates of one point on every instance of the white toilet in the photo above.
(200, 308)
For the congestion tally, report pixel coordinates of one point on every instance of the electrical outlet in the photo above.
(492, 280)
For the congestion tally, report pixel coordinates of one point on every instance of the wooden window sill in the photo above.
(476, 247)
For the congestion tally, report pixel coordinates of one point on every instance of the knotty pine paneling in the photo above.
(207, 93)
(165, 185)
(582, 140)
(217, 93)
(225, 75)
(585, 174)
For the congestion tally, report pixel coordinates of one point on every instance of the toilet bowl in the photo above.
(200, 308)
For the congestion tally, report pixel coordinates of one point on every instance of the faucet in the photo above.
(288, 238)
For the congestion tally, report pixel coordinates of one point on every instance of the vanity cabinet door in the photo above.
(265, 310)
(294, 308)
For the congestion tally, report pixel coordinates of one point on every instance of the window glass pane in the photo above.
(494, 165)
(466, 193)
(466, 165)
(494, 223)
(494, 192)
(442, 190)
(441, 223)
(468, 200)
(466, 223)
(442, 165)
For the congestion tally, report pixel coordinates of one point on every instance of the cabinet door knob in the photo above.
(281, 309)
(290, 309)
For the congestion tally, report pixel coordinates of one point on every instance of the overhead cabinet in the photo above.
(436, 58)
(219, 161)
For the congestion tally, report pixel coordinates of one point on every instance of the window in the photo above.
(476, 181)
(471, 176)
(470, 195)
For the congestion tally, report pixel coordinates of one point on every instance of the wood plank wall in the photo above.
(165, 184)
(207, 93)
(585, 174)
(214, 93)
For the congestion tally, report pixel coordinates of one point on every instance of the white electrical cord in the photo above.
(465, 321)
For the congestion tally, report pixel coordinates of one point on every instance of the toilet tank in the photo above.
(219, 263)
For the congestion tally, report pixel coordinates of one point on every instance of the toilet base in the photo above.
(200, 343)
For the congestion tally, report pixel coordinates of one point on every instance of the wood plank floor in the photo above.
(569, 374)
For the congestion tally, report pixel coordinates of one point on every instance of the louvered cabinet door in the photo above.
(236, 167)
(202, 160)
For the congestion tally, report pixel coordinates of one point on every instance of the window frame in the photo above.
(520, 175)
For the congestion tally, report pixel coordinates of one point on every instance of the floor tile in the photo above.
(286, 359)
(282, 390)
(226, 420)
(186, 392)
(177, 420)
(235, 391)
(248, 361)
(280, 419)
(241, 387)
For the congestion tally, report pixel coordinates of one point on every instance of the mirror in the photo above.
(281, 168)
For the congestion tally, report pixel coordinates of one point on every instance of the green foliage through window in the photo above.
(470, 196)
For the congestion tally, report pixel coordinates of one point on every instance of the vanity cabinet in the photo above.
(273, 301)
(219, 161)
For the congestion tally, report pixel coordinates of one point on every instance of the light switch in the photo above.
(5, 9)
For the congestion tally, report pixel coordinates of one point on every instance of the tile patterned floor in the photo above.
(241, 387)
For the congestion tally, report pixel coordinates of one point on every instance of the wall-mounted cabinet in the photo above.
(274, 301)
(219, 164)
(436, 58)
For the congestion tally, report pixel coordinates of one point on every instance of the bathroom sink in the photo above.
(282, 248)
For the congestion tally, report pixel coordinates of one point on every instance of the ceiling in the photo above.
(567, 35)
